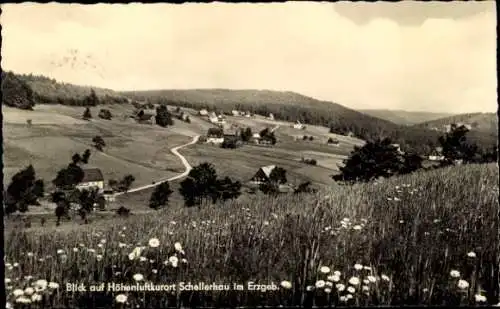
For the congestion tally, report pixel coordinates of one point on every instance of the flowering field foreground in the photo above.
(429, 238)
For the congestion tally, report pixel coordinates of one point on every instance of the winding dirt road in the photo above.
(184, 174)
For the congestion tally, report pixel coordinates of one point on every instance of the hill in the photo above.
(16, 92)
(404, 117)
(481, 122)
(290, 106)
(50, 91)
(409, 231)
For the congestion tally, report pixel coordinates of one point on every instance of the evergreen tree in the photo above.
(87, 114)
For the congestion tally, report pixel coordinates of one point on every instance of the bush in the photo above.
(105, 114)
(123, 211)
(159, 197)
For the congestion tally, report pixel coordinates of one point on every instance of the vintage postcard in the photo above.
(306, 154)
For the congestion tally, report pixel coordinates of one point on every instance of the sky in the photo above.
(434, 56)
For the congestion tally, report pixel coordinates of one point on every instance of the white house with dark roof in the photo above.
(263, 174)
(92, 179)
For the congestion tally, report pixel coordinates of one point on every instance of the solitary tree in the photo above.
(126, 182)
(278, 175)
(455, 146)
(99, 143)
(163, 117)
(86, 114)
(86, 156)
(375, 159)
(67, 178)
(159, 197)
(23, 190)
(199, 185)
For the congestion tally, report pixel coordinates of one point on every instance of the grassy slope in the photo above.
(404, 117)
(416, 241)
(57, 132)
(486, 122)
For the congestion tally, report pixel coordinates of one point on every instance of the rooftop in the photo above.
(92, 174)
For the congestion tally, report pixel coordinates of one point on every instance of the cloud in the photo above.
(411, 13)
(442, 64)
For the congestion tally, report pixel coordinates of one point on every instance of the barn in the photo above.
(92, 179)
(263, 174)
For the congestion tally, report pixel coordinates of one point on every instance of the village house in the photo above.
(109, 195)
(203, 112)
(263, 174)
(271, 116)
(235, 113)
(215, 136)
(145, 117)
(92, 179)
(298, 125)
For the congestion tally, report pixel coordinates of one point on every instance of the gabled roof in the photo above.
(92, 174)
(268, 169)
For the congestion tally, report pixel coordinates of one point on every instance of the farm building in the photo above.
(215, 136)
(271, 116)
(298, 125)
(145, 117)
(263, 174)
(92, 179)
(235, 113)
(109, 196)
(203, 112)
(436, 158)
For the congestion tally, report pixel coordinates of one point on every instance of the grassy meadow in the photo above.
(424, 239)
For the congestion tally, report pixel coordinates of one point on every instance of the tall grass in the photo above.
(408, 236)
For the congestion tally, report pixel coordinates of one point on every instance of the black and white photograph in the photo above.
(294, 154)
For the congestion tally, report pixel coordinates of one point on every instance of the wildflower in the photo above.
(401, 221)
(99, 257)
(358, 266)
(365, 288)
(351, 289)
(173, 260)
(343, 299)
(357, 227)
(60, 251)
(103, 241)
(397, 199)
(340, 287)
(91, 250)
(178, 247)
(8, 305)
(154, 242)
(53, 285)
(266, 222)
(334, 278)
(75, 249)
(309, 288)
(354, 281)
(385, 278)
(454, 273)
(143, 259)
(154, 271)
(184, 261)
(121, 298)
(41, 284)
(29, 254)
(17, 292)
(7, 280)
(15, 264)
(63, 257)
(121, 245)
(480, 298)
(131, 256)
(462, 284)
(319, 284)
(471, 254)
(100, 245)
(29, 291)
(366, 281)
(23, 300)
(324, 269)
(28, 278)
(425, 290)
(138, 277)
(337, 273)
(329, 284)
(372, 279)
(286, 284)
(36, 297)
(328, 290)
(81, 245)
(346, 220)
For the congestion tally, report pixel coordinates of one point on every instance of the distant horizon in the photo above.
(252, 89)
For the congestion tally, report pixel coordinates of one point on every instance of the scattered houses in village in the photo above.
(92, 179)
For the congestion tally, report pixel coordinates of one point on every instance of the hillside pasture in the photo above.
(131, 148)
